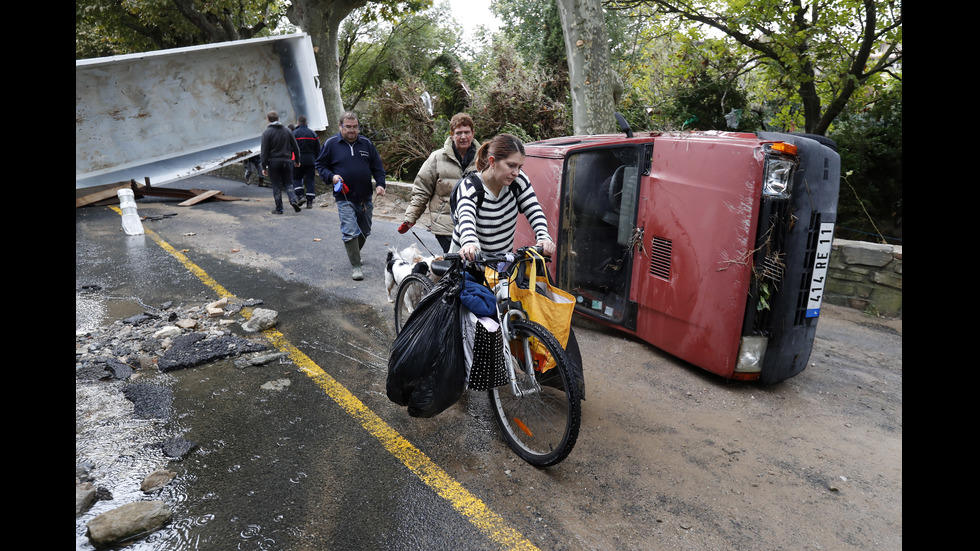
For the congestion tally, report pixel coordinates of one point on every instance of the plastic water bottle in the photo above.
(130, 218)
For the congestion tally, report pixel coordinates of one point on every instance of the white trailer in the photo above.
(171, 114)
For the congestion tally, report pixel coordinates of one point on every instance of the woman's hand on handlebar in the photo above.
(469, 252)
(547, 248)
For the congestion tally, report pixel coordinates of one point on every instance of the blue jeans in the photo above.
(355, 219)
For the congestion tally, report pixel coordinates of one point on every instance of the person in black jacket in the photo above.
(279, 149)
(305, 172)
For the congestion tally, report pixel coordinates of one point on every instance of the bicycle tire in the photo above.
(410, 292)
(540, 427)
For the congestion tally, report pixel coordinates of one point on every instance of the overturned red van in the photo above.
(712, 246)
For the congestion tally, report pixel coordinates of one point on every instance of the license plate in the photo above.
(818, 282)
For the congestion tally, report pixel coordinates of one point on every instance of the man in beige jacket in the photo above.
(438, 176)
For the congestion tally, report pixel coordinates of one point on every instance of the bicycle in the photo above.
(410, 292)
(538, 411)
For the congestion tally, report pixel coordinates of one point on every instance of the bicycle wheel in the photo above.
(410, 292)
(540, 425)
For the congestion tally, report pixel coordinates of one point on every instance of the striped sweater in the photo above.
(493, 228)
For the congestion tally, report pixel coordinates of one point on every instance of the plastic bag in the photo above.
(545, 304)
(484, 350)
(427, 368)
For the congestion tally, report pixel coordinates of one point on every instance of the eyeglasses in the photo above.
(354, 127)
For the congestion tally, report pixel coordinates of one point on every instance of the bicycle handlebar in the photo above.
(488, 258)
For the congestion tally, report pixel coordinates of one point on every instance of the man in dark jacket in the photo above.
(347, 161)
(305, 172)
(279, 149)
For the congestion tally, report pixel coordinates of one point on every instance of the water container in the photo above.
(126, 198)
(130, 218)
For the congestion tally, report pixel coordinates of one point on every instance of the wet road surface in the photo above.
(328, 462)
(310, 466)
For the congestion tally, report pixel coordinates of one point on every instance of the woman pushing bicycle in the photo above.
(486, 202)
(534, 384)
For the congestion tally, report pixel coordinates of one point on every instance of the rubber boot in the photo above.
(354, 255)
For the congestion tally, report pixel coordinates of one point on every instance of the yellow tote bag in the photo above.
(546, 305)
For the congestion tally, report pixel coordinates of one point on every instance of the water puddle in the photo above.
(120, 448)
(93, 311)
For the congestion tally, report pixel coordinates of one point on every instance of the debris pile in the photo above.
(106, 195)
(125, 356)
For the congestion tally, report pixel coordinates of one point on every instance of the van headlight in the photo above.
(751, 354)
(780, 166)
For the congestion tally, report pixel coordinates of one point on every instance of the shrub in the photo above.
(402, 128)
(511, 98)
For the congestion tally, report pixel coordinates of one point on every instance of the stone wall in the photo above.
(866, 276)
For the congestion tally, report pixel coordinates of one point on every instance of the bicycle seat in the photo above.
(440, 267)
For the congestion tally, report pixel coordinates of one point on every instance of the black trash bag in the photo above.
(427, 368)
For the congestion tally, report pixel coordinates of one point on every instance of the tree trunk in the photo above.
(321, 20)
(589, 73)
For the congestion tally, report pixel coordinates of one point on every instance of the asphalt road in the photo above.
(329, 463)
(336, 479)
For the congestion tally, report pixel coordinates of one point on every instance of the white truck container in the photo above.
(171, 114)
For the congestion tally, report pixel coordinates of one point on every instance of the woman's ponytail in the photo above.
(502, 145)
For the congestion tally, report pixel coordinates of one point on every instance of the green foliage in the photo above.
(113, 27)
(374, 52)
(764, 295)
(401, 127)
(386, 67)
(635, 110)
(808, 60)
(711, 104)
(507, 97)
(708, 93)
(510, 93)
(870, 145)
(681, 63)
(392, 10)
(535, 30)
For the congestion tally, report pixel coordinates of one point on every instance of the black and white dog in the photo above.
(401, 263)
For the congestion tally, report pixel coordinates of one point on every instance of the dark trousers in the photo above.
(281, 178)
(303, 176)
(445, 241)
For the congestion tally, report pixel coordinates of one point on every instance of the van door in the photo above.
(597, 227)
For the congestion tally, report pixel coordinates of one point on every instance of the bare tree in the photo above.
(590, 77)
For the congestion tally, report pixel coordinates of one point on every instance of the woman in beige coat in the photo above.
(438, 176)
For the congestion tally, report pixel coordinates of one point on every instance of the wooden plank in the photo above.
(103, 195)
(199, 197)
(222, 197)
(106, 195)
(97, 196)
(219, 197)
(184, 193)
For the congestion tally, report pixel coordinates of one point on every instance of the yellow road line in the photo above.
(432, 475)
